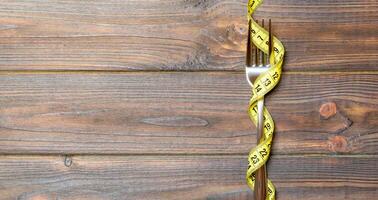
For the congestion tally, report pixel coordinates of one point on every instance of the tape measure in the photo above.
(263, 84)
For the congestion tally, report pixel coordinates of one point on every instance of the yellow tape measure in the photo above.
(262, 85)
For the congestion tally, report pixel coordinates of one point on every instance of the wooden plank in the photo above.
(183, 113)
(182, 35)
(183, 177)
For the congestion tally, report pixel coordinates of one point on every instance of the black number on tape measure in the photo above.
(269, 190)
(267, 126)
(255, 159)
(254, 109)
(258, 88)
(263, 153)
(275, 76)
(253, 176)
(267, 82)
(259, 36)
(276, 50)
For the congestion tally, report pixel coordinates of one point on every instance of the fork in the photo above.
(257, 63)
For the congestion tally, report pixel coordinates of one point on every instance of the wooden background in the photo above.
(147, 99)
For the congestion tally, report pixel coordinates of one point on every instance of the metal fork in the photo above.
(257, 63)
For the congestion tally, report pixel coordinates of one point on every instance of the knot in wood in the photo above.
(338, 143)
(68, 161)
(327, 110)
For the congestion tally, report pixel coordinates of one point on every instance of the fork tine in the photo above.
(251, 57)
(248, 55)
(270, 41)
(257, 52)
(262, 54)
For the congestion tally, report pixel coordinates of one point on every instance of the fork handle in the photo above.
(260, 181)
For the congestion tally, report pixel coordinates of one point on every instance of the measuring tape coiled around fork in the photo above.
(264, 83)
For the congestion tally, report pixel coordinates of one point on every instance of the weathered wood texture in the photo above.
(182, 34)
(190, 112)
(175, 135)
(183, 177)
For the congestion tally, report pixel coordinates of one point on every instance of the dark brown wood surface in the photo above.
(183, 177)
(182, 35)
(88, 110)
(183, 112)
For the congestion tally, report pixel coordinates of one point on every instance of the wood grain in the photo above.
(184, 113)
(182, 35)
(87, 114)
(183, 177)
